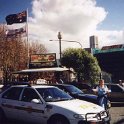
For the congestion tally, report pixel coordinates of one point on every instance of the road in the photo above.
(117, 115)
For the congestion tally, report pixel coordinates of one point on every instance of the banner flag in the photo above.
(16, 18)
(16, 32)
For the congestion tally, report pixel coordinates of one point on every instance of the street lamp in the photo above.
(60, 39)
(73, 41)
(69, 41)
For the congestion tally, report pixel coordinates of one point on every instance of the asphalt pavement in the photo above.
(117, 114)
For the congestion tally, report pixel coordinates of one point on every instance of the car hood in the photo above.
(88, 96)
(77, 106)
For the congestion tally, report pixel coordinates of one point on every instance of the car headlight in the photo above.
(103, 114)
(79, 116)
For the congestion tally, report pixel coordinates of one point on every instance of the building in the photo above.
(93, 42)
(111, 60)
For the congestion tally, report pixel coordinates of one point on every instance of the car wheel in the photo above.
(2, 116)
(58, 120)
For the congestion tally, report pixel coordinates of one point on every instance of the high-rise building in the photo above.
(93, 42)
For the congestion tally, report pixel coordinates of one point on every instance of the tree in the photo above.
(36, 48)
(84, 64)
(15, 52)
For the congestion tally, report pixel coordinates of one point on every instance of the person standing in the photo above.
(121, 82)
(102, 91)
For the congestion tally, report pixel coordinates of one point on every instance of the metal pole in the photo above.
(27, 39)
(70, 41)
(60, 37)
(73, 41)
(100, 75)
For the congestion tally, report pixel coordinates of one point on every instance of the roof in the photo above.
(97, 51)
(41, 86)
(41, 70)
(34, 86)
(61, 85)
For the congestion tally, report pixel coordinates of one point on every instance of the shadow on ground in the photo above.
(120, 122)
(117, 104)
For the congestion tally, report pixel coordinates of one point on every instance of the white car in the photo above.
(48, 105)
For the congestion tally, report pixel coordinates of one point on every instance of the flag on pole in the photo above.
(16, 32)
(16, 18)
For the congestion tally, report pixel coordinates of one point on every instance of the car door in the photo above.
(31, 111)
(9, 102)
(116, 94)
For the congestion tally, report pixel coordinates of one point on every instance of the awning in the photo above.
(55, 69)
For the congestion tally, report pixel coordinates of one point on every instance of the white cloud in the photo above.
(76, 19)
(110, 37)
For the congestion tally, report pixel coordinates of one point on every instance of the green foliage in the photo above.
(84, 64)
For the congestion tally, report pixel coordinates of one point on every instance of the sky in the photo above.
(77, 20)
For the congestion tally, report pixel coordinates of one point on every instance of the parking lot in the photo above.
(117, 114)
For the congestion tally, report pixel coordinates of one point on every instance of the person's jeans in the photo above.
(102, 101)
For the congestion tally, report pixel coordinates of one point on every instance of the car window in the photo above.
(74, 90)
(115, 88)
(13, 93)
(53, 94)
(29, 94)
(62, 88)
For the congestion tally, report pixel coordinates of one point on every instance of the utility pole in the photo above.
(60, 37)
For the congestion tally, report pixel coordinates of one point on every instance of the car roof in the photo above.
(34, 86)
(61, 84)
(111, 84)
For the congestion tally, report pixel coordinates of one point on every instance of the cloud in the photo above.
(76, 19)
(110, 37)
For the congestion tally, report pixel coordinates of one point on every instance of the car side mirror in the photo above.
(36, 101)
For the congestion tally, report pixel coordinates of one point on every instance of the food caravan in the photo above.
(43, 66)
(51, 75)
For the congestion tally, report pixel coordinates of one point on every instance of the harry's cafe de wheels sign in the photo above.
(43, 60)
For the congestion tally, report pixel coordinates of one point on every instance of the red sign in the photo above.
(39, 58)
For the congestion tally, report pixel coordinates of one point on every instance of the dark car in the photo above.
(85, 87)
(116, 94)
(77, 93)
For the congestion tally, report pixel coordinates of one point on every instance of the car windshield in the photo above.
(53, 94)
(74, 90)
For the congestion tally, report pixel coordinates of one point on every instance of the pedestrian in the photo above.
(121, 82)
(102, 91)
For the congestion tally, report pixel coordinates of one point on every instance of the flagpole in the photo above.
(27, 40)
(2, 68)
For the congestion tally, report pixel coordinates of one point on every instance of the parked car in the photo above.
(77, 93)
(85, 87)
(116, 94)
(48, 105)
